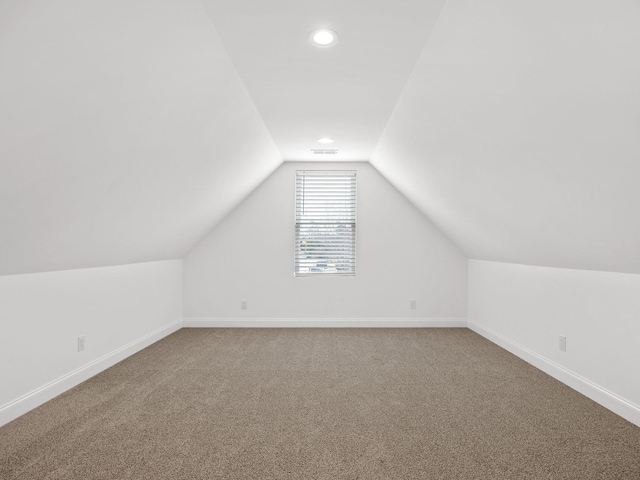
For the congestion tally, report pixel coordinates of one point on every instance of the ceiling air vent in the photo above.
(324, 151)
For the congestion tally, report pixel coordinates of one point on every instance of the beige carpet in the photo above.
(321, 404)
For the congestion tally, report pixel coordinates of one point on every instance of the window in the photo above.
(325, 223)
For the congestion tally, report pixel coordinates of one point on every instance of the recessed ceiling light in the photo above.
(323, 38)
(325, 140)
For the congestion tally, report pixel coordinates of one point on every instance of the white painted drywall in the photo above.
(598, 312)
(346, 92)
(125, 133)
(518, 132)
(400, 256)
(42, 315)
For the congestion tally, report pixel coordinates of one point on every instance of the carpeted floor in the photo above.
(321, 404)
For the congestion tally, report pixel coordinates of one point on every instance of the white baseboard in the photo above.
(31, 400)
(626, 409)
(601, 395)
(324, 322)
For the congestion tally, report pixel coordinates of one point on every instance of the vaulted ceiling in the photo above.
(518, 132)
(129, 129)
(126, 132)
(346, 92)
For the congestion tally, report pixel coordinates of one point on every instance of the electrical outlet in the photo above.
(243, 304)
(412, 304)
(81, 343)
(563, 343)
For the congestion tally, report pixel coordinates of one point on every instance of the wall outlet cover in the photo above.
(563, 343)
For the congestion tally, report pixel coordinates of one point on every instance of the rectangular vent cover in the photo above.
(324, 151)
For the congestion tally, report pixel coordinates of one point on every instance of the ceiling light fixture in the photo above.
(323, 38)
(325, 140)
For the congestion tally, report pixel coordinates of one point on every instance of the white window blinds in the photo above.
(325, 223)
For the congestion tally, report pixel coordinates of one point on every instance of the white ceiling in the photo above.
(128, 129)
(518, 133)
(345, 92)
(125, 133)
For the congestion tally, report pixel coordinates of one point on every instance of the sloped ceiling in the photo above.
(518, 132)
(125, 132)
(128, 129)
(345, 92)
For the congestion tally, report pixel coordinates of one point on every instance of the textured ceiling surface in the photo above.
(128, 129)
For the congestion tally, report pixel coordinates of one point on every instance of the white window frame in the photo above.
(333, 204)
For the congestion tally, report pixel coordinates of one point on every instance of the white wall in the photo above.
(400, 256)
(525, 309)
(119, 309)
